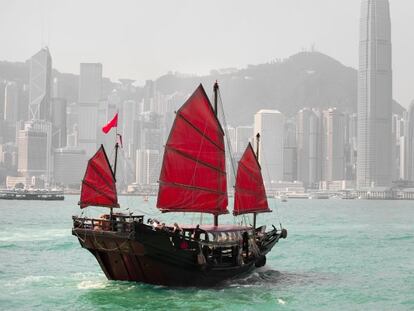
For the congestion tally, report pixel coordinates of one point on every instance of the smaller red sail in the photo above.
(250, 193)
(99, 184)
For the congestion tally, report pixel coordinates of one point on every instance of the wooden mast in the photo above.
(215, 89)
(115, 163)
(257, 157)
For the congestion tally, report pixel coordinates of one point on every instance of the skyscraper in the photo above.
(40, 85)
(309, 150)
(333, 142)
(32, 151)
(90, 92)
(374, 163)
(270, 124)
(90, 83)
(244, 135)
(290, 152)
(409, 145)
(11, 104)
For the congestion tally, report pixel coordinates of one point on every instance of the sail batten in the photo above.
(250, 193)
(193, 173)
(200, 132)
(197, 160)
(192, 187)
(99, 184)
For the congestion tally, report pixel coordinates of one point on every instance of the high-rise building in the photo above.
(408, 161)
(40, 85)
(374, 163)
(290, 152)
(69, 166)
(43, 152)
(32, 152)
(333, 142)
(270, 125)
(59, 135)
(90, 83)
(90, 93)
(130, 109)
(244, 135)
(2, 91)
(11, 104)
(309, 148)
(148, 167)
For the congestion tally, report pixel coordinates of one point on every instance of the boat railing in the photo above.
(117, 223)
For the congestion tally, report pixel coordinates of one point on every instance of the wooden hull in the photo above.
(150, 256)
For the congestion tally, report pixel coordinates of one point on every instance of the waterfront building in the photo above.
(374, 163)
(69, 166)
(148, 165)
(270, 125)
(409, 144)
(309, 149)
(290, 152)
(32, 152)
(333, 142)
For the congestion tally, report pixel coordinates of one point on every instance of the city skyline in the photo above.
(127, 50)
(309, 137)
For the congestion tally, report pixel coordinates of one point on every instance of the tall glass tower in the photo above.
(374, 163)
(40, 85)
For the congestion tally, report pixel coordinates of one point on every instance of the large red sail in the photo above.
(193, 174)
(250, 194)
(99, 185)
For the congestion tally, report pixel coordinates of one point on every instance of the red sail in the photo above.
(250, 194)
(193, 174)
(98, 185)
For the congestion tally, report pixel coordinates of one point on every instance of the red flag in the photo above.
(110, 124)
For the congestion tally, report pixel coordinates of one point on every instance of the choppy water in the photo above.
(339, 255)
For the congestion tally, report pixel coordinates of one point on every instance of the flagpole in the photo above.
(115, 162)
(116, 145)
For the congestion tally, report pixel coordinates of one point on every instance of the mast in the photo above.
(257, 157)
(115, 163)
(257, 145)
(215, 89)
(116, 156)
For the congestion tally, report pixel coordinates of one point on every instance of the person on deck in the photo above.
(176, 229)
(197, 233)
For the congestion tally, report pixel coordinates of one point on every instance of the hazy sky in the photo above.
(145, 39)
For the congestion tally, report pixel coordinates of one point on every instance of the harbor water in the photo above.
(339, 255)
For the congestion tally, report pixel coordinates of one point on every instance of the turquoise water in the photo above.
(339, 255)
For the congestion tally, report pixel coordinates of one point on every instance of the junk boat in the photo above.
(192, 179)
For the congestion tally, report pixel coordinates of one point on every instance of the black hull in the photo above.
(149, 256)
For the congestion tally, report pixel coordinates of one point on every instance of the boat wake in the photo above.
(29, 235)
(92, 285)
(268, 276)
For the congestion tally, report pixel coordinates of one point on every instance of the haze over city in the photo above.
(145, 39)
(206, 155)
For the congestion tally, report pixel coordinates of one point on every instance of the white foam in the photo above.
(24, 236)
(91, 285)
(281, 301)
